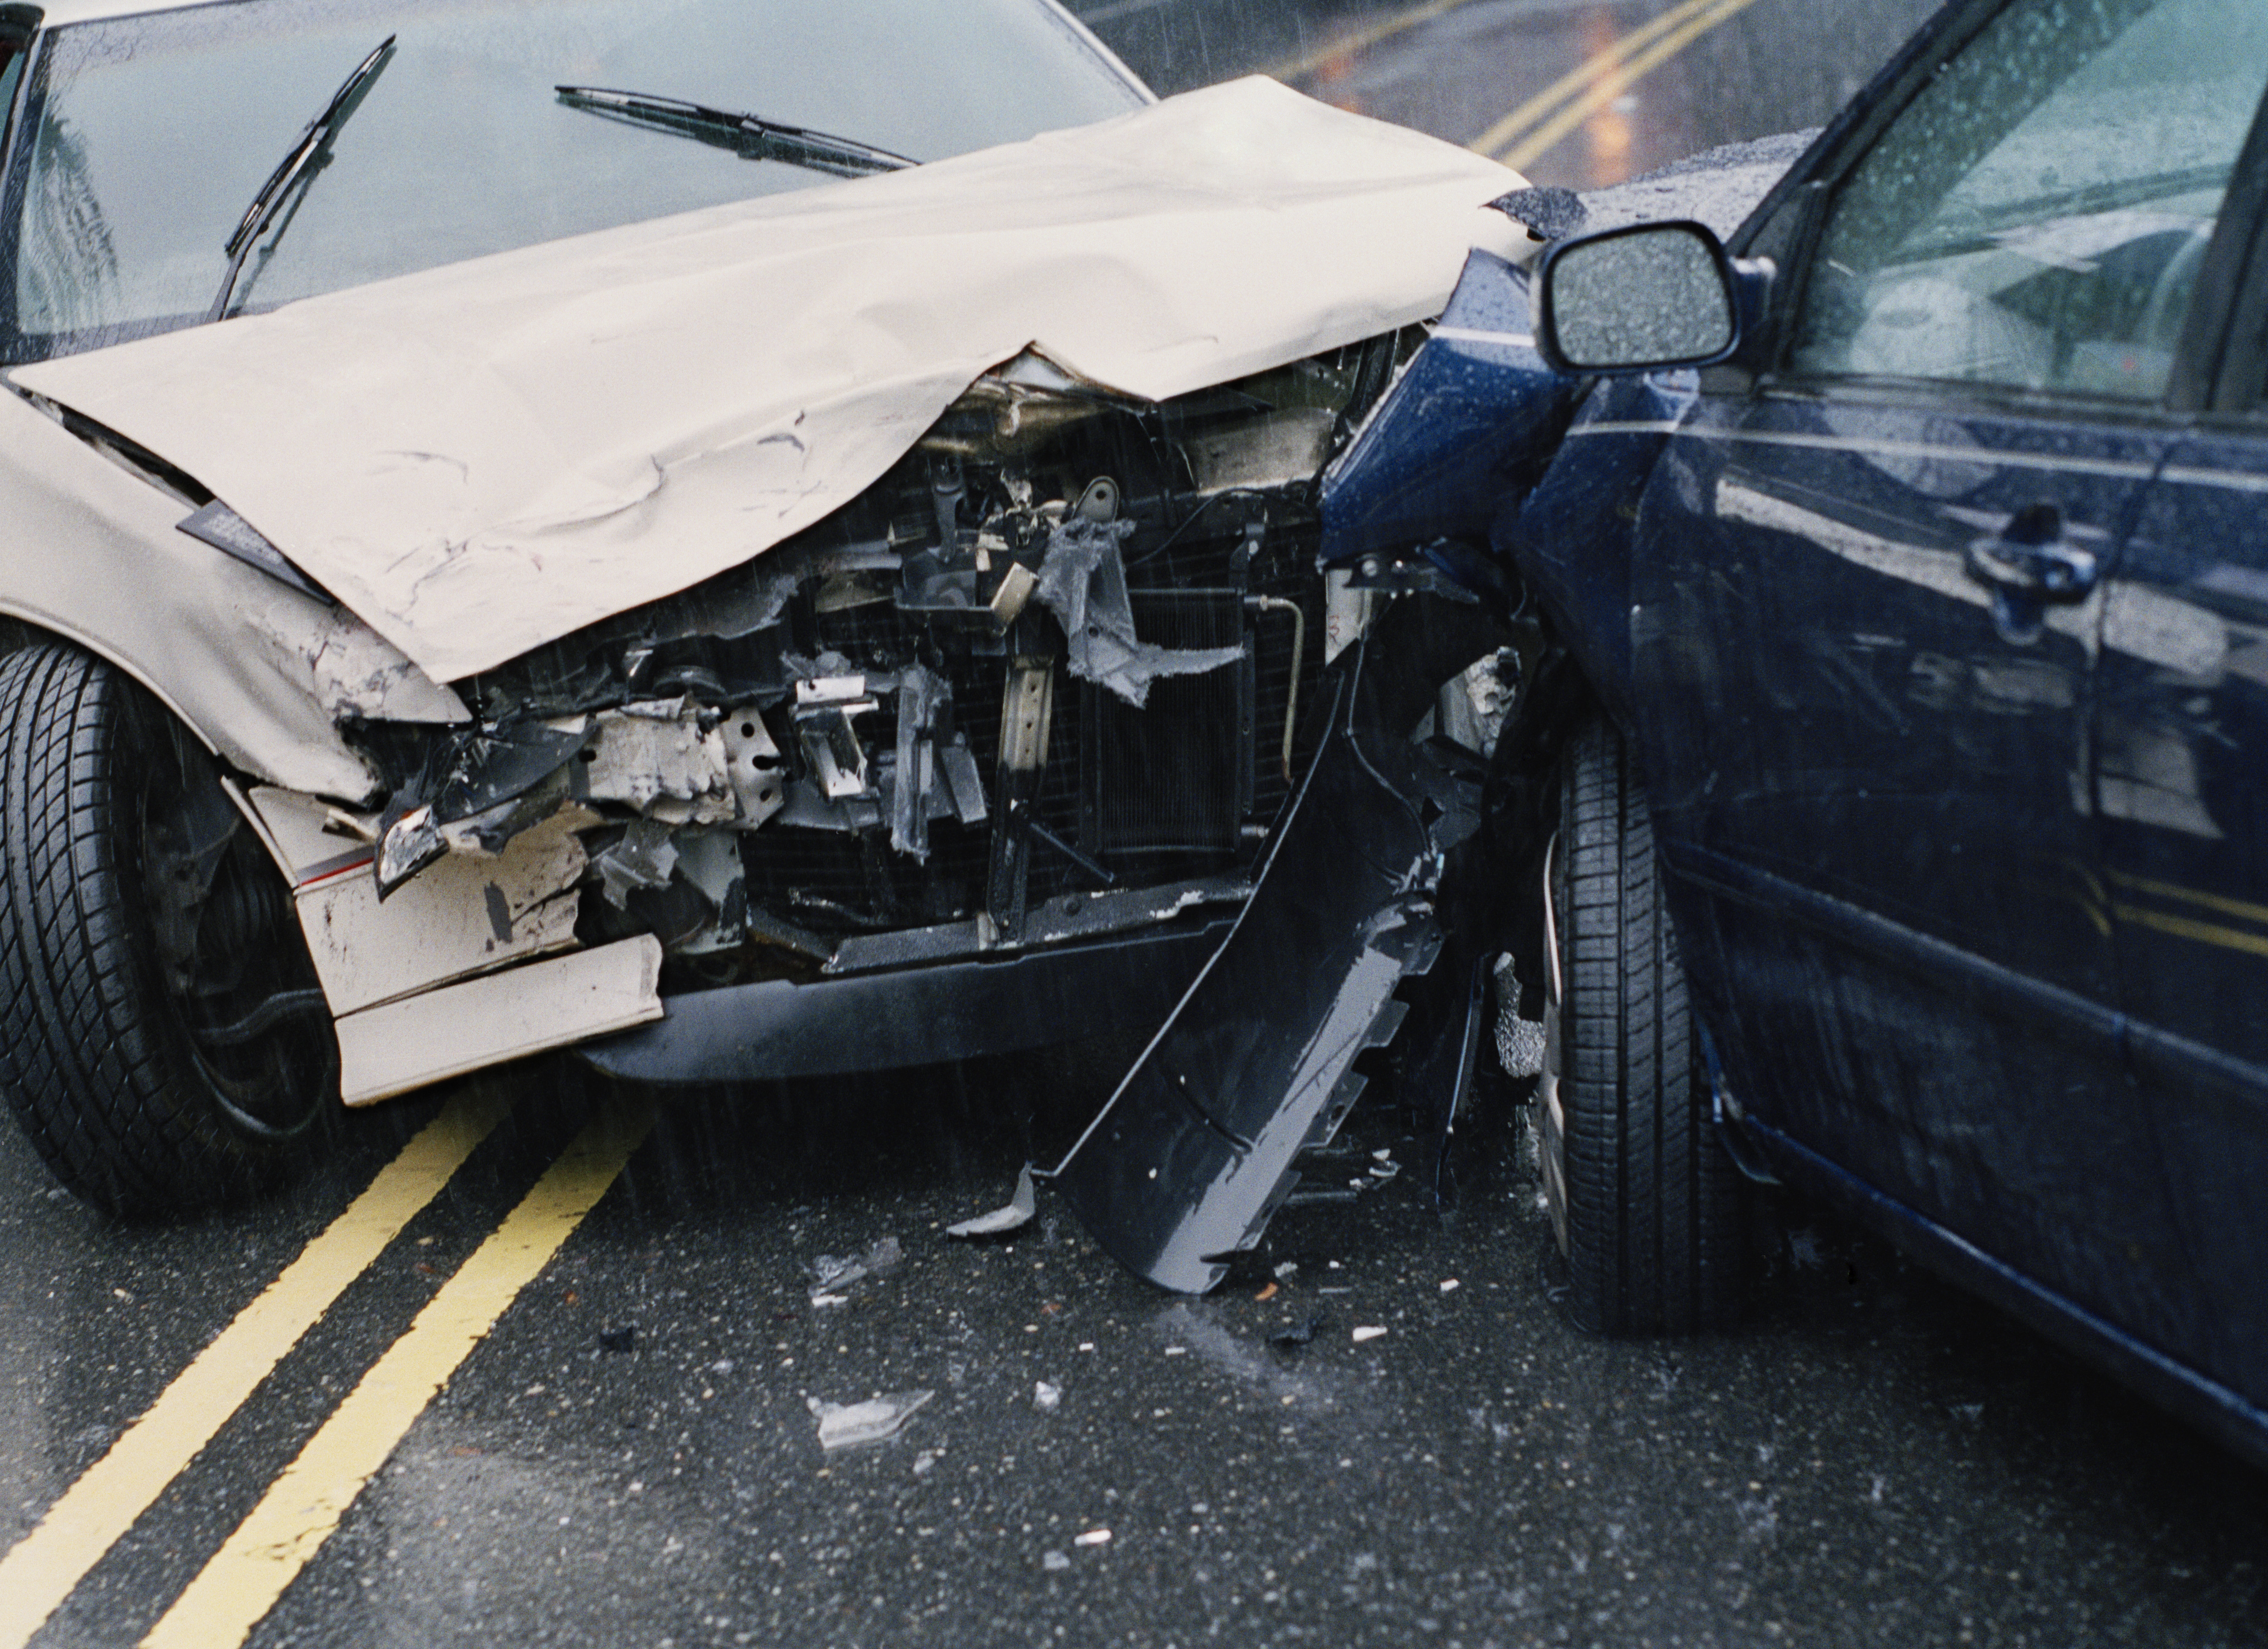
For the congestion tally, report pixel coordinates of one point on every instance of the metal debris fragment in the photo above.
(876, 1420)
(1083, 582)
(1018, 1211)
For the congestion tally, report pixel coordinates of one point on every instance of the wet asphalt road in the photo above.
(1876, 1459)
(629, 1456)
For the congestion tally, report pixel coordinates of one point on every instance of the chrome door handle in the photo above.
(2031, 557)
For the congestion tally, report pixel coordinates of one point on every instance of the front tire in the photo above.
(162, 1039)
(1646, 1204)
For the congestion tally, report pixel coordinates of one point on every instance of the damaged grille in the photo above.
(1064, 647)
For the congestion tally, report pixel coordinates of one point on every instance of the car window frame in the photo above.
(1787, 227)
(2238, 385)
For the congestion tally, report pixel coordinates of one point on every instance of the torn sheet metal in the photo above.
(661, 760)
(1083, 582)
(464, 916)
(1194, 1153)
(464, 1027)
(542, 439)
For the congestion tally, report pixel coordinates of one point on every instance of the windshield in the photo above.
(144, 138)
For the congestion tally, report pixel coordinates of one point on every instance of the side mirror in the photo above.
(1638, 298)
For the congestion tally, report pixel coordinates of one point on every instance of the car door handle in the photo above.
(2031, 557)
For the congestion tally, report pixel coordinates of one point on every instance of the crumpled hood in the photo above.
(483, 458)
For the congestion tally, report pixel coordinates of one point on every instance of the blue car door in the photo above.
(1868, 608)
(2181, 803)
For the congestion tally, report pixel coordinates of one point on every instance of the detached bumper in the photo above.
(916, 1016)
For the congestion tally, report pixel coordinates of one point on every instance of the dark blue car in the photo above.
(1890, 755)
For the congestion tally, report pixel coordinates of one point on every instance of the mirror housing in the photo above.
(1643, 298)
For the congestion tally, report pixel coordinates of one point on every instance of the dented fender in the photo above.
(91, 552)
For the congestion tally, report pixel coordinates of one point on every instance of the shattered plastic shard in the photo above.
(876, 1420)
(832, 1271)
(1018, 1211)
(1360, 1335)
(1092, 1537)
(1046, 1398)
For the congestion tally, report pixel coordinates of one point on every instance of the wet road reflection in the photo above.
(1573, 92)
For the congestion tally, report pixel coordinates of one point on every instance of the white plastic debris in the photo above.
(1092, 1537)
(1290, 1268)
(1448, 1284)
(1046, 1398)
(831, 1273)
(1055, 1562)
(1360, 1335)
(1018, 1211)
(877, 1419)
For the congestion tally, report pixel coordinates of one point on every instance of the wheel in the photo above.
(1645, 1203)
(163, 1041)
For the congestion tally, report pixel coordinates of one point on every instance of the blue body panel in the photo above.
(1473, 420)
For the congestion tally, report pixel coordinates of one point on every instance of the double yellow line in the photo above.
(1532, 129)
(283, 1532)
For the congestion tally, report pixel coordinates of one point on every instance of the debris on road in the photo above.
(1360, 1335)
(1448, 1284)
(876, 1420)
(1017, 1212)
(831, 1273)
(1047, 1398)
(1300, 1335)
(1055, 1562)
(1092, 1537)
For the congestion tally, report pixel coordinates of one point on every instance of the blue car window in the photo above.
(2035, 218)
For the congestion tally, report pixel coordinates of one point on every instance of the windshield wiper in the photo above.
(748, 136)
(308, 157)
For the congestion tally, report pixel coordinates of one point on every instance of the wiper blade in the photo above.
(308, 157)
(748, 136)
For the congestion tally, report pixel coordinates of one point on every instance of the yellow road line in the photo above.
(2183, 927)
(1572, 83)
(1363, 39)
(2191, 895)
(285, 1531)
(1616, 81)
(39, 1572)
(1529, 130)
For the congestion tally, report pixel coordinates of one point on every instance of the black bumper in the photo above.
(914, 1016)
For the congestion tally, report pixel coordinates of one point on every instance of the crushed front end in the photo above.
(1043, 692)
